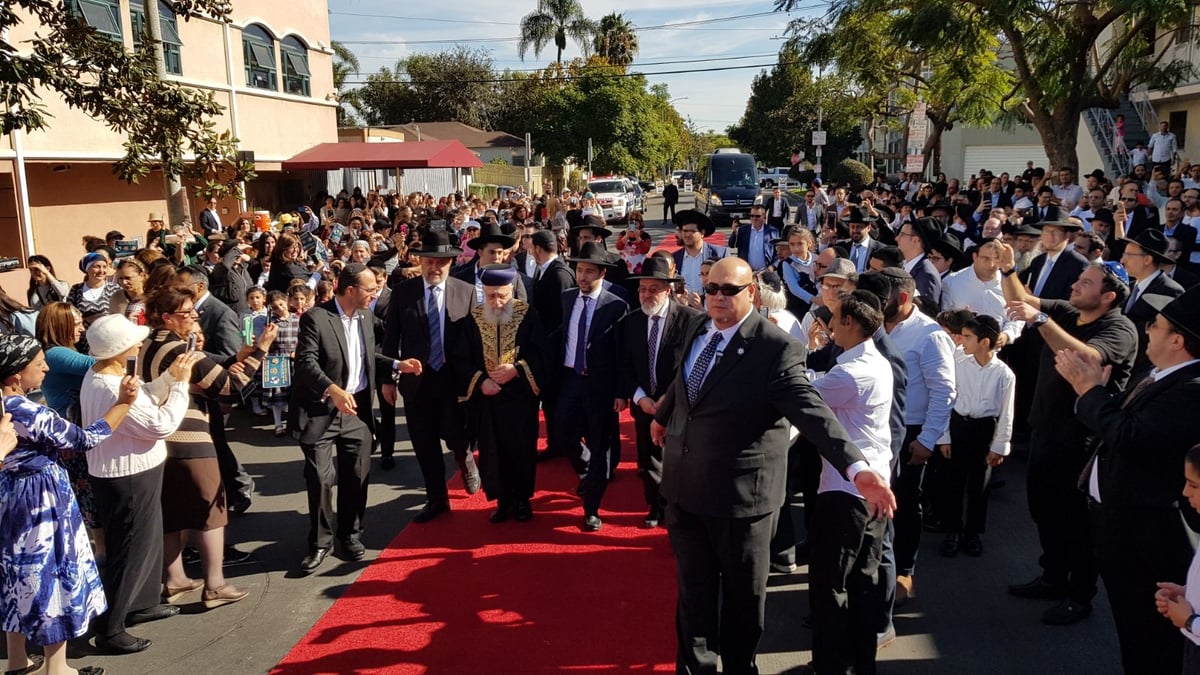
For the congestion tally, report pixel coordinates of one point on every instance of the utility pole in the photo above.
(177, 200)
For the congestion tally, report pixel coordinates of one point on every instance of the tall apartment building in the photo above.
(271, 68)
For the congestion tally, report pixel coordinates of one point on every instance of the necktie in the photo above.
(537, 275)
(581, 329)
(436, 354)
(1041, 282)
(700, 368)
(856, 256)
(1137, 390)
(1133, 298)
(651, 345)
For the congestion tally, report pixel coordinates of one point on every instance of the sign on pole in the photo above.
(914, 163)
(818, 138)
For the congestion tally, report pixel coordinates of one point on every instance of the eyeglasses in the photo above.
(1129, 199)
(189, 312)
(687, 231)
(756, 217)
(728, 290)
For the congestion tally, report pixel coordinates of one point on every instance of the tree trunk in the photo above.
(1060, 136)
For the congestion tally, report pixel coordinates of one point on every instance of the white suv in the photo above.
(615, 196)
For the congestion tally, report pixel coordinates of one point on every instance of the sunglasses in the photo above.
(728, 290)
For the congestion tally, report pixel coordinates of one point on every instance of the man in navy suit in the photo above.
(210, 219)
(753, 244)
(1143, 258)
(1052, 273)
(589, 395)
(1044, 210)
(915, 240)
(861, 244)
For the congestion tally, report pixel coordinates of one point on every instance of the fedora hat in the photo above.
(1154, 243)
(1027, 230)
(490, 233)
(1064, 224)
(436, 244)
(694, 217)
(856, 214)
(949, 246)
(929, 231)
(655, 267)
(1183, 312)
(594, 223)
(593, 253)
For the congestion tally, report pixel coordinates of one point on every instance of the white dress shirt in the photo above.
(858, 390)
(964, 290)
(929, 360)
(701, 342)
(662, 329)
(1068, 195)
(690, 270)
(985, 391)
(356, 364)
(573, 322)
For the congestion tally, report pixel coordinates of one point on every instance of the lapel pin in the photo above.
(741, 351)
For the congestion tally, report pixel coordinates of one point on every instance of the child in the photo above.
(952, 321)
(256, 316)
(1178, 603)
(300, 298)
(288, 324)
(980, 429)
(324, 291)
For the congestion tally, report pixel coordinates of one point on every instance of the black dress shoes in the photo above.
(1038, 589)
(591, 523)
(522, 511)
(1066, 613)
(154, 613)
(653, 518)
(430, 511)
(501, 513)
(388, 463)
(353, 548)
(122, 643)
(548, 455)
(950, 545)
(313, 560)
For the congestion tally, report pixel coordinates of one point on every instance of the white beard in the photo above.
(652, 309)
(498, 316)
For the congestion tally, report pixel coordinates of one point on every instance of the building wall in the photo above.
(955, 142)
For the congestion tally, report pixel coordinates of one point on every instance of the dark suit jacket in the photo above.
(929, 281)
(708, 252)
(785, 211)
(1035, 214)
(222, 330)
(521, 258)
(726, 455)
(406, 331)
(1142, 314)
(1186, 236)
(603, 349)
(802, 216)
(321, 360)
(548, 290)
(1144, 218)
(872, 245)
(636, 362)
(1066, 270)
(998, 200)
(467, 272)
(1143, 442)
(740, 240)
(1185, 277)
(230, 280)
(208, 222)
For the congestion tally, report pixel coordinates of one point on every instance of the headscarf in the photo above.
(16, 352)
(91, 259)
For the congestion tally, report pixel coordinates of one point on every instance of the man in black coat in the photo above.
(588, 365)
(431, 407)
(915, 240)
(491, 246)
(1045, 209)
(777, 209)
(670, 199)
(230, 277)
(331, 409)
(1052, 272)
(653, 345)
(723, 426)
(1143, 258)
(1133, 480)
(552, 278)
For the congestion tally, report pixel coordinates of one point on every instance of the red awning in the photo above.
(383, 155)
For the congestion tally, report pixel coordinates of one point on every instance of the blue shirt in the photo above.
(929, 359)
(62, 382)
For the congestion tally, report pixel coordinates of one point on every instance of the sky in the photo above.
(382, 31)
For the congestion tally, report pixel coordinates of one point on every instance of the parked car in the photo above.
(777, 175)
(616, 197)
(646, 185)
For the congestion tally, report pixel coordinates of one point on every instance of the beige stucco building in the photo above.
(271, 68)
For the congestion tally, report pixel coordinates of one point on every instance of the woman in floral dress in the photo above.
(49, 586)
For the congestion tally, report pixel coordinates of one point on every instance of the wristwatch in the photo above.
(1009, 272)
(1187, 625)
(1040, 319)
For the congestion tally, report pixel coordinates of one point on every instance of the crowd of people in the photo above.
(909, 334)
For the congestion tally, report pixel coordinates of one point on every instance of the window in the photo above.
(103, 15)
(258, 51)
(295, 65)
(170, 33)
(1178, 121)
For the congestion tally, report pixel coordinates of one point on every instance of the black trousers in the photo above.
(966, 474)
(434, 415)
(803, 475)
(1136, 549)
(907, 480)
(649, 458)
(130, 510)
(580, 413)
(350, 438)
(668, 207)
(1057, 456)
(238, 483)
(843, 572)
(385, 430)
(721, 567)
(1191, 657)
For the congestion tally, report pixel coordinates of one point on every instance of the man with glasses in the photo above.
(210, 218)
(1143, 260)
(1175, 227)
(693, 228)
(1137, 217)
(331, 408)
(753, 244)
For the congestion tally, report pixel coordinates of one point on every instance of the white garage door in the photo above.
(1001, 158)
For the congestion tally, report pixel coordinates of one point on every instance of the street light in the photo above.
(681, 98)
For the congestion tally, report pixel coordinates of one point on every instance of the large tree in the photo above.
(1066, 55)
(453, 85)
(345, 64)
(555, 21)
(162, 121)
(616, 40)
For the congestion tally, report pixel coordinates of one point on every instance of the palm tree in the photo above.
(555, 20)
(616, 41)
(344, 64)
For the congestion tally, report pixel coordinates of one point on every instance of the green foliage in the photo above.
(161, 121)
(851, 172)
(450, 85)
(615, 40)
(555, 20)
(345, 63)
(576, 182)
(498, 160)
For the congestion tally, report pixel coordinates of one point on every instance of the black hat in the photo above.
(770, 279)
(596, 224)
(593, 253)
(929, 231)
(1098, 174)
(694, 217)
(948, 245)
(436, 244)
(948, 209)
(656, 267)
(1183, 312)
(1155, 243)
(856, 214)
(1104, 216)
(1027, 230)
(490, 233)
(545, 239)
(1064, 224)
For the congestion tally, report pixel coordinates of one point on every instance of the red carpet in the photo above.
(461, 595)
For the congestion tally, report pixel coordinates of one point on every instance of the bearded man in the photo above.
(500, 366)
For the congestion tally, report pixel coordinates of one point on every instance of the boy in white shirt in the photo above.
(979, 434)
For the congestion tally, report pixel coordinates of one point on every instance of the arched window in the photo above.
(103, 15)
(295, 65)
(170, 33)
(258, 51)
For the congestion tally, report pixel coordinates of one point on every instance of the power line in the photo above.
(570, 78)
(673, 62)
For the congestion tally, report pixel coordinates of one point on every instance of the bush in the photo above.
(853, 173)
(483, 191)
(576, 182)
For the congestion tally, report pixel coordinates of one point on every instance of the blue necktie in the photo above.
(581, 329)
(650, 347)
(700, 367)
(436, 356)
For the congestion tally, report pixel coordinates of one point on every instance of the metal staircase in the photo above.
(1140, 118)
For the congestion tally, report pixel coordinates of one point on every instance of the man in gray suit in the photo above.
(723, 425)
(331, 408)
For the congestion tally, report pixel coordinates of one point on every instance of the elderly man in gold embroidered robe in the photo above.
(501, 347)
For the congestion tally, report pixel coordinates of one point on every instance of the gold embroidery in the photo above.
(533, 385)
(475, 379)
(499, 342)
